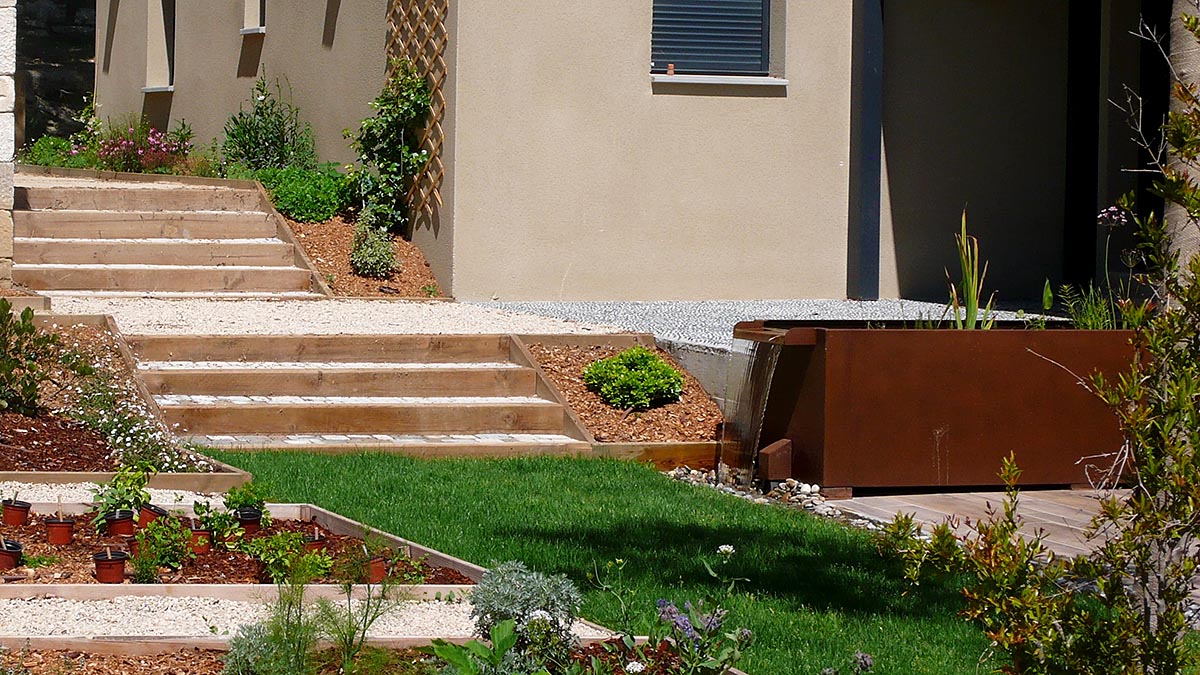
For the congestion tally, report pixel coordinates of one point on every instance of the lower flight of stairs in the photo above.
(419, 395)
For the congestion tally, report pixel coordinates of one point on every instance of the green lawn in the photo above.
(817, 590)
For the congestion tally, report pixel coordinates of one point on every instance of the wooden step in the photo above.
(342, 416)
(152, 278)
(143, 224)
(242, 252)
(501, 381)
(324, 348)
(425, 445)
(127, 198)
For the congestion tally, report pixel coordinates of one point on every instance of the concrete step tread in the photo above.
(186, 295)
(378, 440)
(187, 400)
(321, 365)
(145, 266)
(168, 241)
(157, 214)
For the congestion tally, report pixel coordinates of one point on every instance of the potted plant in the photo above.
(10, 554)
(110, 565)
(248, 503)
(15, 511)
(315, 541)
(165, 542)
(211, 525)
(120, 499)
(60, 531)
(150, 513)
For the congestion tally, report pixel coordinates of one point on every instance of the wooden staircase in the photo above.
(150, 238)
(422, 395)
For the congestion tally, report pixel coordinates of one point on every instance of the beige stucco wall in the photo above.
(331, 53)
(974, 116)
(573, 179)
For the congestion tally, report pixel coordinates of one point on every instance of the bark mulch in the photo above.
(73, 563)
(183, 662)
(51, 443)
(328, 245)
(695, 417)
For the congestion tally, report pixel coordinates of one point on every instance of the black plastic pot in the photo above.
(250, 519)
(10, 554)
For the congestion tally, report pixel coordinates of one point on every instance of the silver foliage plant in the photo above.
(512, 591)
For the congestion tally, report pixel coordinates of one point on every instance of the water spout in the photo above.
(750, 368)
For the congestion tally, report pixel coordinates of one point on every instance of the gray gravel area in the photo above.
(710, 322)
(318, 317)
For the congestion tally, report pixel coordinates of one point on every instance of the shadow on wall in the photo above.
(251, 55)
(971, 120)
(332, 7)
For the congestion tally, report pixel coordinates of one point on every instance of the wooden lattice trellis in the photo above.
(417, 33)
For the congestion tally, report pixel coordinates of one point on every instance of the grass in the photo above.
(817, 591)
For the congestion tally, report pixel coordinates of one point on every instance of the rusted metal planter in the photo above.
(903, 408)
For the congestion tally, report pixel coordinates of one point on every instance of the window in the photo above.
(711, 37)
(160, 46)
(254, 17)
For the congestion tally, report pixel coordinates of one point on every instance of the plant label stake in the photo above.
(108, 552)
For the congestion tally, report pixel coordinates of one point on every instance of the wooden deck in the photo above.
(1062, 515)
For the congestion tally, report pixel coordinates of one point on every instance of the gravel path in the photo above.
(710, 322)
(81, 493)
(205, 617)
(328, 317)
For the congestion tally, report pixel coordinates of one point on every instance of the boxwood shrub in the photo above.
(306, 195)
(635, 379)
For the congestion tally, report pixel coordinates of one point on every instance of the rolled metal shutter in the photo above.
(713, 37)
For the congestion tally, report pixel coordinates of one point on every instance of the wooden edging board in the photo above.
(667, 455)
(128, 177)
(221, 479)
(38, 303)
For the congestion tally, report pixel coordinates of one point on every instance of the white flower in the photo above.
(725, 550)
(634, 667)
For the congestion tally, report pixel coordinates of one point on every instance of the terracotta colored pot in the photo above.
(314, 543)
(201, 541)
(16, 512)
(110, 566)
(249, 519)
(60, 532)
(10, 554)
(149, 514)
(375, 569)
(131, 545)
(119, 523)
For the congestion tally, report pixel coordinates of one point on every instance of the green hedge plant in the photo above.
(269, 133)
(306, 195)
(635, 379)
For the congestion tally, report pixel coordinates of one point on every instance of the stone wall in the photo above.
(8, 67)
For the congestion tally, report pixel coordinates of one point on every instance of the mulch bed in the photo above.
(51, 443)
(695, 417)
(183, 662)
(219, 566)
(328, 246)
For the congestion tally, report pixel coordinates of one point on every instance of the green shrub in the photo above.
(47, 151)
(306, 195)
(166, 542)
(250, 651)
(635, 379)
(25, 357)
(372, 255)
(270, 133)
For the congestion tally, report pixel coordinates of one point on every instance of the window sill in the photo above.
(165, 89)
(254, 30)
(725, 80)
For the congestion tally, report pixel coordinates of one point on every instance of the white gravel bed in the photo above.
(204, 617)
(323, 365)
(328, 317)
(81, 493)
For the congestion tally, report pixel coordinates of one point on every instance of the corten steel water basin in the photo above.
(902, 408)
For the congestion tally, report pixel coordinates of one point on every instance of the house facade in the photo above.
(682, 149)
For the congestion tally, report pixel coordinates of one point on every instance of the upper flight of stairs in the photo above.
(420, 395)
(155, 238)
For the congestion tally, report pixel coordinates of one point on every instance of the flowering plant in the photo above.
(137, 146)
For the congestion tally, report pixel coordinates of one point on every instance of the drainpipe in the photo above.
(866, 151)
